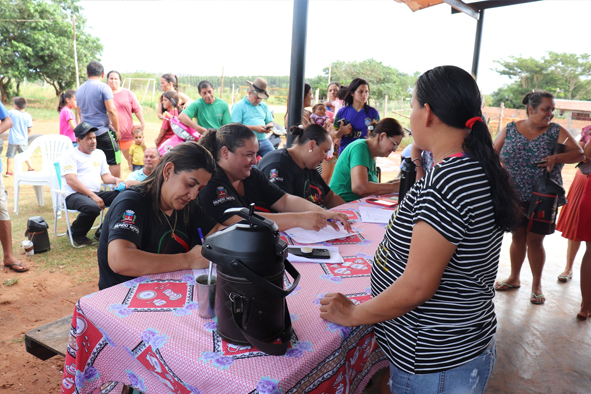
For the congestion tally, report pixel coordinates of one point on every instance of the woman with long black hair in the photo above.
(354, 118)
(434, 271)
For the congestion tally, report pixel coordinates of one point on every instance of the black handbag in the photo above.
(250, 297)
(543, 203)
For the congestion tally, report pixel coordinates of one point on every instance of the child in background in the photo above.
(67, 122)
(18, 139)
(319, 115)
(136, 151)
(170, 100)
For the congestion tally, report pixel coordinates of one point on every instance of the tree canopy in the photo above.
(383, 80)
(566, 75)
(36, 42)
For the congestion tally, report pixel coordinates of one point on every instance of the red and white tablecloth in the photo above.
(147, 334)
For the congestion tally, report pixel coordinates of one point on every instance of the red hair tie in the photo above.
(473, 120)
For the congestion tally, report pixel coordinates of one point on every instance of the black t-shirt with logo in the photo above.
(131, 217)
(282, 171)
(219, 194)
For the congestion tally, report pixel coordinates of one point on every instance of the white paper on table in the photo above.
(335, 256)
(303, 236)
(375, 215)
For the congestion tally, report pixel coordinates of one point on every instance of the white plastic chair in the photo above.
(52, 147)
(60, 209)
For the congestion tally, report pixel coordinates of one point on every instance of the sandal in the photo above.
(535, 299)
(564, 278)
(17, 267)
(502, 286)
(31, 169)
(8, 174)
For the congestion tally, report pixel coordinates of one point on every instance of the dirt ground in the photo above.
(44, 296)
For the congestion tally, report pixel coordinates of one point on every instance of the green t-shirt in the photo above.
(210, 116)
(355, 154)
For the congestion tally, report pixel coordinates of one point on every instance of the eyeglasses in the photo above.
(395, 144)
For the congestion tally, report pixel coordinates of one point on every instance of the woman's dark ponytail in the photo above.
(231, 135)
(208, 141)
(454, 98)
(68, 94)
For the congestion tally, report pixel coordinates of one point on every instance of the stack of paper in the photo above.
(375, 215)
(303, 236)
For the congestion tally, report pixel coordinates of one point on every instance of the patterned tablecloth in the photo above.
(147, 333)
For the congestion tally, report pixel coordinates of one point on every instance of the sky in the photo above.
(244, 37)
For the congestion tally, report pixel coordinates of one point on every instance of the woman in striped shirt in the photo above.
(434, 271)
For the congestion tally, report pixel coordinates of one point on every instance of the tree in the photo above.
(566, 75)
(383, 80)
(41, 48)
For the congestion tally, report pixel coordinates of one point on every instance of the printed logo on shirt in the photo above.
(96, 163)
(221, 191)
(69, 167)
(129, 217)
(368, 122)
(314, 194)
(273, 173)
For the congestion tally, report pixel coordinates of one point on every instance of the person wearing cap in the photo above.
(96, 106)
(254, 114)
(82, 170)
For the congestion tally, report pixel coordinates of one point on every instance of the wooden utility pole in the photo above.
(75, 52)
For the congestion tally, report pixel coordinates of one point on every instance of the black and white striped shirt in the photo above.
(457, 324)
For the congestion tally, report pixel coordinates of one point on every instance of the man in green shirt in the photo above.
(210, 113)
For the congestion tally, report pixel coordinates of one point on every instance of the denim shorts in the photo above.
(469, 378)
(14, 149)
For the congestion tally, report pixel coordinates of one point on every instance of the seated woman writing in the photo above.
(237, 184)
(355, 174)
(158, 216)
(294, 171)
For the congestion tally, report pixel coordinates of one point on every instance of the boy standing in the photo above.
(18, 138)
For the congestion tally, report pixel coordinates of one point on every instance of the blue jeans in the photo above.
(471, 377)
(265, 146)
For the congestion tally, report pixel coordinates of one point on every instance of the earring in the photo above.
(310, 150)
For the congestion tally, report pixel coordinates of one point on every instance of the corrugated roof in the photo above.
(573, 105)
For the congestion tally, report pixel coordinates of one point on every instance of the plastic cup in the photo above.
(28, 247)
(206, 296)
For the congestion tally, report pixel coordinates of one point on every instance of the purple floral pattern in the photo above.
(211, 326)
(107, 337)
(344, 331)
(186, 310)
(268, 386)
(297, 349)
(332, 278)
(216, 359)
(135, 381)
(188, 279)
(135, 281)
(121, 310)
(152, 338)
(89, 374)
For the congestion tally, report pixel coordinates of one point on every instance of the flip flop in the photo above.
(581, 317)
(505, 286)
(564, 278)
(534, 299)
(17, 267)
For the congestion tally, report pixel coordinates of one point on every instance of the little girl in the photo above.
(170, 99)
(67, 121)
(136, 151)
(319, 115)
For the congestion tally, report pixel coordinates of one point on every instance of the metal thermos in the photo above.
(250, 300)
(408, 176)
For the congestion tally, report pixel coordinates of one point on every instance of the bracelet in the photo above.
(420, 162)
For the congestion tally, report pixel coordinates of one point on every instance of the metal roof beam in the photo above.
(484, 5)
(460, 6)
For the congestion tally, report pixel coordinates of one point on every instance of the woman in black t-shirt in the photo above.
(294, 169)
(158, 216)
(237, 184)
(432, 280)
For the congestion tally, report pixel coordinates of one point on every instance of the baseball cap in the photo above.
(82, 129)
